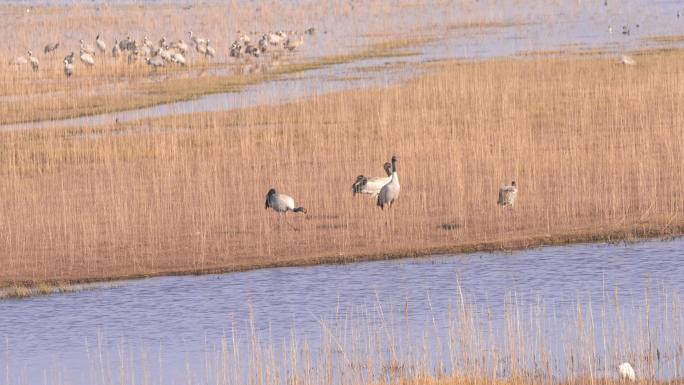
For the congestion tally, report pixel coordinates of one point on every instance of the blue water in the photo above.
(184, 318)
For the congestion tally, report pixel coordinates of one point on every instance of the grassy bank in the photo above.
(592, 144)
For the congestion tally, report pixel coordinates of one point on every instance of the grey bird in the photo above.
(116, 49)
(281, 203)
(87, 48)
(68, 68)
(101, 45)
(372, 185)
(33, 60)
(70, 57)
(18, 61)
(50, 47)
(156, 61)
(390, 191)
(507, 195)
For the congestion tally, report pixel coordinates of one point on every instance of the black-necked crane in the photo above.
(70, 57)
(281, 203)
(156, 62)
(87, 48)
(372, 185)
(209, 50)
(116, 49)
(68, 68)
(33, 60)
(18, 61)
(50, 47)
(390, 191)
(293, 43)
(507, 195)
(178, 58)
(87, 58)
(196, 40)
(101, 45)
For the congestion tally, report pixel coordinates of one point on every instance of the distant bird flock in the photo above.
(159, 54)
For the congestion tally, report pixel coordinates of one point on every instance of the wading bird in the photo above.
(116, 50)
(87, 58)
(292, 44)
(68, 68)
(626, 371)
(390, 192)
(101, 45)
(18, 61)
(87, 48)
(70, 57)
(50, 47)
(180, 46)
(178, 58)
(156, 61)
(236, 49)
(507, 195)
(33, 60)
(195, 39)
(282, 203)
(373, 185)
(209, 50)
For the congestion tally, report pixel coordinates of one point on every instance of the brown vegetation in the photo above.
(595, 148)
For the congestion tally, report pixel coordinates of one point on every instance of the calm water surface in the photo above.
(184, 317)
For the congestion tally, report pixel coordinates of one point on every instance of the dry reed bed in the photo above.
(594, 146)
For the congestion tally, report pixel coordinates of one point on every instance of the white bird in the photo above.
(87, 48)
(275, 38)
(68, 68)
(180, 46)
(292, 44)
(626, 60)
(373, 185)
(33, 60)
(178, 58)
(507, 195)
(626, 371)
(87, 58)
(18, 61)
(156, 61)
(390, 192)
(195, 39)
(165, 54)
(101, 45)
(282, 203)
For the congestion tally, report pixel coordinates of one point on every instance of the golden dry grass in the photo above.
(594, 146)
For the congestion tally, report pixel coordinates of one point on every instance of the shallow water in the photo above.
(185, 317)
(484, 30)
